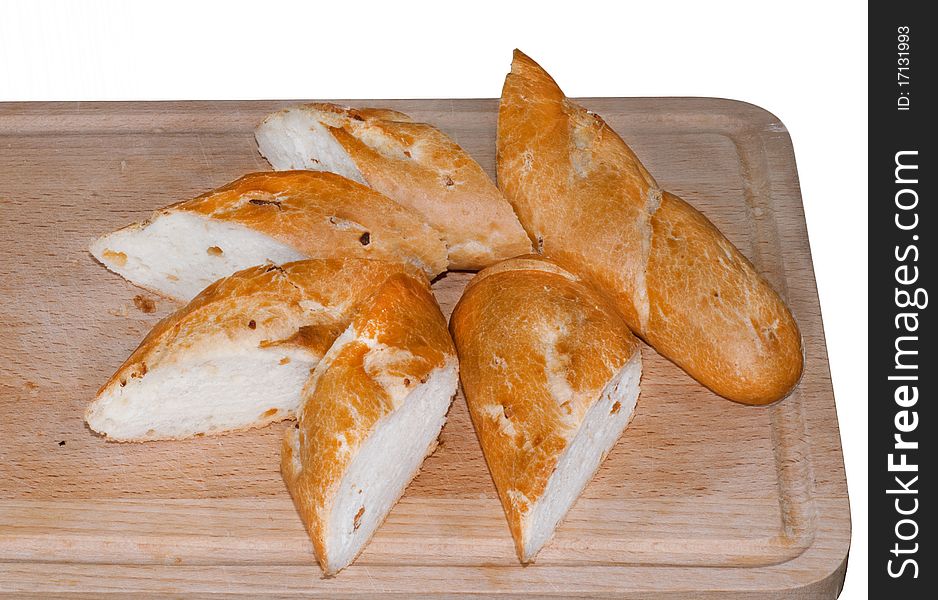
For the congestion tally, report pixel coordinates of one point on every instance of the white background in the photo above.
(803, 61)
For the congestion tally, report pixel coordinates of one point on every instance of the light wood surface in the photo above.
(701, 498)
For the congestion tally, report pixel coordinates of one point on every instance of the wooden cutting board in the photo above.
(701, 498)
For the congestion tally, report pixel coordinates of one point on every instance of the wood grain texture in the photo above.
(701, 498)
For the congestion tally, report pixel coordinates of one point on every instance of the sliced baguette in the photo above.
(414, 164)
(591, 205)
(238, 355)
(551, 376)
(371, 412)
(276, 217)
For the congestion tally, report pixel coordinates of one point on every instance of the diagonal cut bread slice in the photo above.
(590, 204)
(414, 164)
(371, 413)
(275, 217)
(238, 355)
(551, 376)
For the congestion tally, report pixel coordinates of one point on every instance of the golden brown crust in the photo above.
(536, 348)
(268, 305)
(323, 215)
(589, 204)
(342, 113)
(421, 168)
(346, 398)
(743, 342)
(526, 262)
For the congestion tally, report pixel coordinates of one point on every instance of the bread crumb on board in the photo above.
(144, 304)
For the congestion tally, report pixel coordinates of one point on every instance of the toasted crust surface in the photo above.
(324, 215)
(421, 168)
(303, 306)
(587, 201)
(712, 312)
(536, 349)
(269, 216)
(395, 342)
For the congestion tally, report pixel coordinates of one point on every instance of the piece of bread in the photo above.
(372, 411)
(551, 375)
(414, 164)
(586, 199)
(276, 217)
(238, 355)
